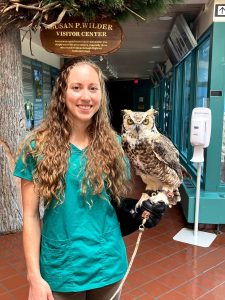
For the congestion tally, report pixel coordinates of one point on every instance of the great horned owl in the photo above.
(153, 156)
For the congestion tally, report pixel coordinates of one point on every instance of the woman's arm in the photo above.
(39, 289)
(31, 228)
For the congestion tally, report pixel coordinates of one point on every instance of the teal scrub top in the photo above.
(81, 243)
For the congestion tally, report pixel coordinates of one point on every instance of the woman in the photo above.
(74, 163)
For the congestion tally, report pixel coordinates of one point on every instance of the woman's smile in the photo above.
(85, 107)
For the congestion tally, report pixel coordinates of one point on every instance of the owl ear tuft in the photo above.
(153, 111)
(124, 111)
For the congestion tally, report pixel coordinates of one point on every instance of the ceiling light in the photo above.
(156, 47)
(165, 18)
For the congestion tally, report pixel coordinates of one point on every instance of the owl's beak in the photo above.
(137, 127)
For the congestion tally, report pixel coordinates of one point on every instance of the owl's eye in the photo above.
(145, 122)
(130, 122)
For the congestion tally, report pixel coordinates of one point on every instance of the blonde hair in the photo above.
(105, 157)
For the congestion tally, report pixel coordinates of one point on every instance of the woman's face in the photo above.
(83, 94)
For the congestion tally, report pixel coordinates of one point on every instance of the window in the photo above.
(156, 92)
(38, 92)
(177, 102)
(202, 74)
(167, 106)
(186, 106)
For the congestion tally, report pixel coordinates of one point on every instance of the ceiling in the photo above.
(137, 55)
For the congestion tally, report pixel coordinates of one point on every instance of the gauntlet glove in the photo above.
(156, 211)
(130, 219)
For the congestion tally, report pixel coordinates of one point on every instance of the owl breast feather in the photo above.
(145, 161)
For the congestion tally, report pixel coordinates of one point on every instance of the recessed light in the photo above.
(165, 18)
(156, 47)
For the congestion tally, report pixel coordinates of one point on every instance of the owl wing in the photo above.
(166, 152)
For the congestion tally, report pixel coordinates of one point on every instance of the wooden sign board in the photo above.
(76, 37)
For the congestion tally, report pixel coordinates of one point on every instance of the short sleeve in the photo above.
(25, 167)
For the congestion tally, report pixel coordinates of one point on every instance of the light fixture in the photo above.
(101, 58)
(165, 18)
(156, 47)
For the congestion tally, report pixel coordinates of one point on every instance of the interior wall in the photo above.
(204, 20)
(39, 53)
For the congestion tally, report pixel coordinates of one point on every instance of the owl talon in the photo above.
(170, 194)
(143, 198)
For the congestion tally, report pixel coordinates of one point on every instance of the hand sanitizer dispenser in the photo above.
(200, 138)
(200, 132)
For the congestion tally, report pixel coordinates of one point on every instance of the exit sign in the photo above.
(220, 10)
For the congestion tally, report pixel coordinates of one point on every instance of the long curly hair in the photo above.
(105, 159)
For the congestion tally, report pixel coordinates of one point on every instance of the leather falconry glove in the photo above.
(156, 211)
(130, 219)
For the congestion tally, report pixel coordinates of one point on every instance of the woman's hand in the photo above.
(153, 212)
(40, 290)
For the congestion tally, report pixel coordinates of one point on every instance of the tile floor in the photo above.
(163, 268)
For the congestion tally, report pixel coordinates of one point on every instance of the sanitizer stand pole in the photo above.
(196, 237)
(197, 201)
